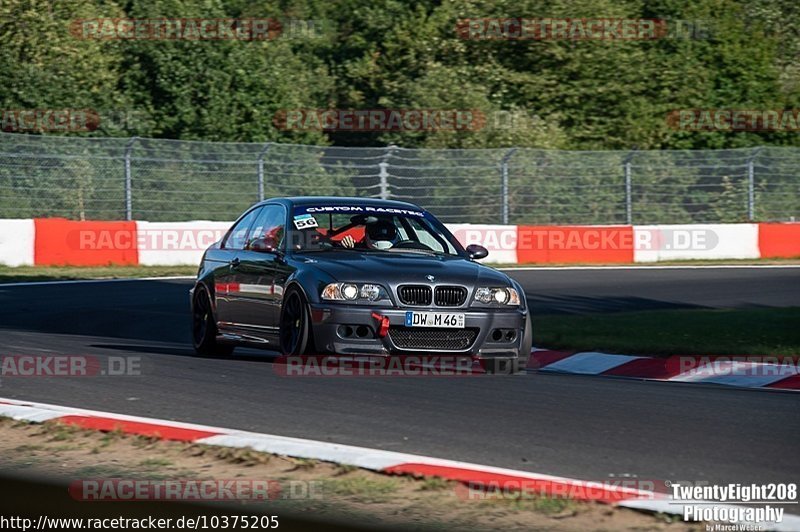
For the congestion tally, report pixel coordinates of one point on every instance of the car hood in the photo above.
(403, 268)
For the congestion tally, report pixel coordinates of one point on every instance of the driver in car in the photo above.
(381, 234)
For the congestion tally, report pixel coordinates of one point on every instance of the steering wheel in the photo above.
(411, 244)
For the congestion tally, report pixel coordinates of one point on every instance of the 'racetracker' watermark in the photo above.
(174, 29)
(380, 119)
(735, 119)
(48, 120)
(554, 238)
(380, 366)
(609, 490)
(579, 29)
(69, 366)
(171, 239)
(493, 238)
(704, 367)
(198, 29)
(117, 489)
(71, 120)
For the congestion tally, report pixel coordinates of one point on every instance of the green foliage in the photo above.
(366, 54)
(537, 95)
(44, 66)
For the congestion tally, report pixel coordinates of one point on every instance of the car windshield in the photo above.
(369, 228)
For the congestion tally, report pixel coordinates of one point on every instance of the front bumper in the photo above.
(330, 323)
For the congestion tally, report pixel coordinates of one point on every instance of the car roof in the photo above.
(339, 200)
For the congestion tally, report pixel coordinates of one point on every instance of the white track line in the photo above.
(368, 458)
(375, 459)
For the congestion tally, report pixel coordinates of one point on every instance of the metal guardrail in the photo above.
(169, 180)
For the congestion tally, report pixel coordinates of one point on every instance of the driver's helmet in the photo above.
(381, 234)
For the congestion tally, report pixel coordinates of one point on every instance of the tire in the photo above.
(295, 325)
(204, 328)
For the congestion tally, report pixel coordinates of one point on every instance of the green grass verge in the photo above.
(55, 273)
(772, 331)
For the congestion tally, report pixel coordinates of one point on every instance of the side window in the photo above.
(425, 237)
(401, 230)
(268, 231)
(338, 220)
(238, 235)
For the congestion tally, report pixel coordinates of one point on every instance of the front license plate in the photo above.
(434, 319)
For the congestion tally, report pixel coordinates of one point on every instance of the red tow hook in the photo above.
(383, 324)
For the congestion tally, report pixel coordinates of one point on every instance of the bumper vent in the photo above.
(432, 338)
(415, 295)
(450, 296)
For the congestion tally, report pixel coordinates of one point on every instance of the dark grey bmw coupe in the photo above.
(355, 276)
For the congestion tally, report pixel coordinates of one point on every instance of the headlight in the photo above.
(353, 292)
(371, 292)
(484, 295)
(349, 291)
(500, 296)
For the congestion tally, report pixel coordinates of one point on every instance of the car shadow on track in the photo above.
(140, 310)
(241, 353)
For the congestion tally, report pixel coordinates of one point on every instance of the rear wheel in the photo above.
(204, 329)
(295, 324)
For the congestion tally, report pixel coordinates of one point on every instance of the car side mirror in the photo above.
(477, 252)
(264, 245)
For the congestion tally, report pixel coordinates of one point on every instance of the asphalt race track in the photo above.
(581, 427)
(555, 290)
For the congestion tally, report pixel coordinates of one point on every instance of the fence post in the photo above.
(504, 168)
(628, 187)
(751, 185)
(628, 199)
(129, 180)
(261, 155)
(383, 172)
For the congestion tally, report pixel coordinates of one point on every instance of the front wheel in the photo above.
(204, 329)
(295, 325)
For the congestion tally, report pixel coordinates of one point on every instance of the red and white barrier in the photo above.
(500, 240)
(84, 243)
(170, 243)
(779, 240)
(569, 244)
(658, 243)
(16, 242)
(56, 241)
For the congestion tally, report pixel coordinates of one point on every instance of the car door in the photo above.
(227, 277)
(259, 272)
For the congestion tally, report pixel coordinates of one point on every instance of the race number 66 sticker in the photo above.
(305, 221)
